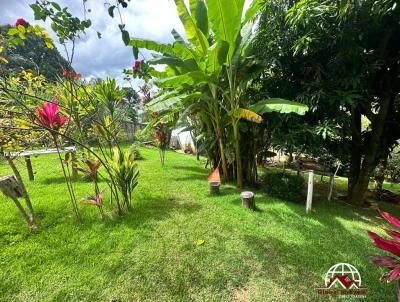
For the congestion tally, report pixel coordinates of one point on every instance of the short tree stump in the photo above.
(214, 188)
(248, 200)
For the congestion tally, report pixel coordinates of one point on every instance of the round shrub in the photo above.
(284, 185)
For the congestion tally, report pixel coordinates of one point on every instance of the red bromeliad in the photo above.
(23, 22)
(49, 116)
(391, 245)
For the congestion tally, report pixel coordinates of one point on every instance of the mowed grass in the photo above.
(277, 253)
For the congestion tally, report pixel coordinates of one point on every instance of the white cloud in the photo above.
(108, 56)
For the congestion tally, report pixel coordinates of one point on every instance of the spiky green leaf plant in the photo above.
(125, 173)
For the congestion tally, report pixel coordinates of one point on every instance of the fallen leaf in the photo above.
(199, 242)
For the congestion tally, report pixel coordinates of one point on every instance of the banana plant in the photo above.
(210, 69)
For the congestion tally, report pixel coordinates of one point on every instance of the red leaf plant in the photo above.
(91, 168)
(96, 201)
(23, 22)
(392, 246)
(49, 116)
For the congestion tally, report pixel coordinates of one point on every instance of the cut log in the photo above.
(29, 168)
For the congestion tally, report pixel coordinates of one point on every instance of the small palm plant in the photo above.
(125, 173)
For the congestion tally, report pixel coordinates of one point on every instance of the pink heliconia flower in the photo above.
(23, 22)
(97, 200)
(49, 116)
(390, 245)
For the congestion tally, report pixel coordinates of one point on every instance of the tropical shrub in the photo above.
(69, 111)
(283, 185)
(135, 150)
(392, 246)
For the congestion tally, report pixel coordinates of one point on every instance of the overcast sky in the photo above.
(108, 56)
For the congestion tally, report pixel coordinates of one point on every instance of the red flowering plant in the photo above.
(23, 22)
(22, 29)
(162, 136)
(392, 246)
(136, 67)
(160, 123)
(140, 69)
(49, 116)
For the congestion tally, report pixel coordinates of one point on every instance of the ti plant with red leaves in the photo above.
(48, 116)
(90, 168)
(391, 245)
(162, 135)
(96, 201)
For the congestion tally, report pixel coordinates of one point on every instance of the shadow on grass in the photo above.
(199, 170)
(149, 210)
(60, 180)
(305, 257)
(190, 177)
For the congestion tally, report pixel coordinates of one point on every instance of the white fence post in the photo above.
(309, 190)
(331, 184)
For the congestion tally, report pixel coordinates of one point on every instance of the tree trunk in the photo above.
(223, 159)
(360, 185)
(355, 155)
(239, 174)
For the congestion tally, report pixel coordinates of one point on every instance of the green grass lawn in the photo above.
(277, 253)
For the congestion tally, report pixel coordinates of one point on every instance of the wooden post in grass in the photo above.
(309, 190)
(29, 168)
(332, 182)
(74, 165)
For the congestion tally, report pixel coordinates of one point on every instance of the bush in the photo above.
(135, 150)
(283, 185)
